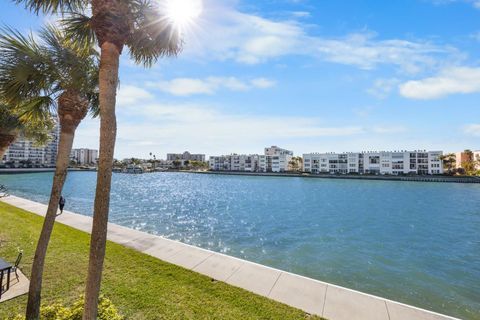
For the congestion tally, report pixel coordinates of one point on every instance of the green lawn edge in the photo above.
(140, 286)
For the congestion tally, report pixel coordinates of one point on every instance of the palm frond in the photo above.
(78, 29)
(94, 99)
(38, 131)
(23, 66)
(37, 109)
(53, 6)
(8, 119)
(153, 36)
(31, 68)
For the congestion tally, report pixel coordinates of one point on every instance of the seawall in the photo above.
(445, 179)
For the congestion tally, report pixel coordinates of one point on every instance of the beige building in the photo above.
(186, 156)
(461, 157)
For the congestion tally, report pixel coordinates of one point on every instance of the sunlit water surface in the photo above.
(418, 243)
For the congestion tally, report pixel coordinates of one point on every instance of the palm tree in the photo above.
(42, 80)
(11, 125)
(145, 29)
(449, 162)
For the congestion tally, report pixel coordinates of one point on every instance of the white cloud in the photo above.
(129, 94)
(263, 83)
(228, 34)
(382, 87)
(209, 85)
(364, 51)
(474, 3)
(450, 81)
(301, 14)
(472, 130)
(224, 126)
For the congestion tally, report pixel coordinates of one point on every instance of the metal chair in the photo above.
(17, 262)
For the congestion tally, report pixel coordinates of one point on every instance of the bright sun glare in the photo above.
(183, 13)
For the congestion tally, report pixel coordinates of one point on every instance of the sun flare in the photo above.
(183, 13)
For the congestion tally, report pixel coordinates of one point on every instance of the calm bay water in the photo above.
(418, 243)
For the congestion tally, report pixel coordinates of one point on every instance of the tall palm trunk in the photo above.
(71, 111)
(6, 139)
(108, 81)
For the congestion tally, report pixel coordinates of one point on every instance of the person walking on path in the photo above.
(61, 204)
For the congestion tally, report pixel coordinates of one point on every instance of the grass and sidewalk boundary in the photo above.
(312, 296)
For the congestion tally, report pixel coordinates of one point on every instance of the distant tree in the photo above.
(177, 163)
(13, 125)
(449, 162)
(470, 164)
(295, 164)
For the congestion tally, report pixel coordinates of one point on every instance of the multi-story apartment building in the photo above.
(84, 156)
(235, 162)
(275, 159)
(186, 156)
(23, 150)
(392, 162)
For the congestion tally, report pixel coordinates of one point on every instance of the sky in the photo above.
(306, 75)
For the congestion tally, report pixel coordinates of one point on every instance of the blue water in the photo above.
(418, 243)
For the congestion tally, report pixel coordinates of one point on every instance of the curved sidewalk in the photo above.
(315, 297)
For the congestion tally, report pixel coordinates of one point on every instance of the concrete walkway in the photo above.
(315, 297)
(18, 287)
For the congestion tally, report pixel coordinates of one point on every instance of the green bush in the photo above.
(57, 311)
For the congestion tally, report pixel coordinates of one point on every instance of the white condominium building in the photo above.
(235, 162)
(84, 156)
(275, 159)
(186, 156)
(393, 163)
(24, 151)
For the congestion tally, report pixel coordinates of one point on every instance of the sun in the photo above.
(183, 13)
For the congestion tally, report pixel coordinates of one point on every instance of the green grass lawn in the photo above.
(140, 286)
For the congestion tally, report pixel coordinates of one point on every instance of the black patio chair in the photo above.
(17, 262)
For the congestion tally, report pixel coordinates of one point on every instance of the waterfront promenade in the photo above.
(315, 297)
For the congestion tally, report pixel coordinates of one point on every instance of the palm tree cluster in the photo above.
(69, 71)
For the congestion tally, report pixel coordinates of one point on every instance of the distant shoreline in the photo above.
(445, 179)
(36, 170)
